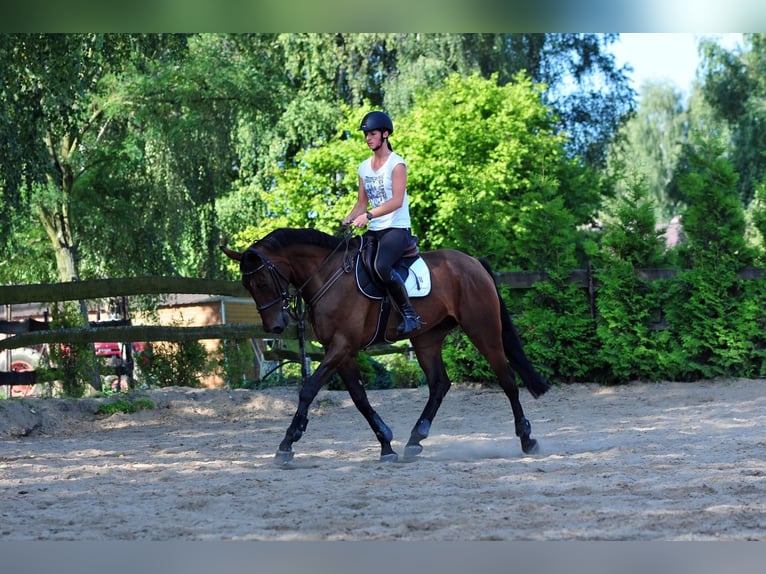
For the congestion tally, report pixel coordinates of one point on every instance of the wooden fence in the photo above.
(30, 333)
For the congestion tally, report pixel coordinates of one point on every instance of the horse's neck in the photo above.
(331, 279)
(312, 266)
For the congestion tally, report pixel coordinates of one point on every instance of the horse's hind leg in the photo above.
(428, 350)
(508, 384)
(351, 378)
(488, 343)
(522, 424)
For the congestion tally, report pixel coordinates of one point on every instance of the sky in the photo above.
(669, 56)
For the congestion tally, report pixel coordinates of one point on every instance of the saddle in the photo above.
(411, 267)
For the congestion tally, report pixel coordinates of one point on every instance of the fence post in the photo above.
(591, 291)
(301, 327)
(7, 352)
(95, 376)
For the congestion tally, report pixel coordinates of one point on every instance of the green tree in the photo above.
(122, 143)
(583, 84)
(649, 145)
(714, 318)
(629, 307)
(591, 95)
(734, 83)
(490, 176)
(757, 216)
(487, 174)
(485, 159)
(198, 119)
(56, 113)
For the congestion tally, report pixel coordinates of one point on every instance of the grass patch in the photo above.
(125, 406)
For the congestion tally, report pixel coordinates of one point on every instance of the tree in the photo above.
(714, 220)
(589, 93)
(129, 149)
(628, 306)
(55, 113)
(734, 84)
(716, 320)
(487, 167)
(199, 120)
(649, 145)
(122, 143)
(68, 128)
(487, 173)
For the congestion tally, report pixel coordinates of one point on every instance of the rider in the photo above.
(383, 184)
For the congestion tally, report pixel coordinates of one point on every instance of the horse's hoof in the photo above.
(530, 446)
(412, 450)
(283, 456)
(393, 457)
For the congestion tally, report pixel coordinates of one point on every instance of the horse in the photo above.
(290, 266)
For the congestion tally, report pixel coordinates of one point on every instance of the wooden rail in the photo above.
(103, 288)
(30, 332)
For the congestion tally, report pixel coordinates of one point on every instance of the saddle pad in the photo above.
(417, 278)
(418, 281)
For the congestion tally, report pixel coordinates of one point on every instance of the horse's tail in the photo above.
(535, 383)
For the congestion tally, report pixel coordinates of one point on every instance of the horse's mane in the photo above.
(286, 237)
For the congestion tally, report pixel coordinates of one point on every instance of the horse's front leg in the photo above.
(351, 376)
(297, 427)
(346, 366)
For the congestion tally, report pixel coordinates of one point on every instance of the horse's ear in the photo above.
(231, 253)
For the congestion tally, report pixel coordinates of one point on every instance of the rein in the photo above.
(345, 267)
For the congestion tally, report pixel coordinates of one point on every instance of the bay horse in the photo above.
(291, 264)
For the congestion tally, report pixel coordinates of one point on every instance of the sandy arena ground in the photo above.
(645, 461)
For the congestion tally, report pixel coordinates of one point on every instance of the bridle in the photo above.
(281, 282)
(292, 302)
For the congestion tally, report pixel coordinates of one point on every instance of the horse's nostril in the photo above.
(278, 329)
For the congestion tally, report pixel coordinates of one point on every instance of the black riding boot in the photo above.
(398, 293)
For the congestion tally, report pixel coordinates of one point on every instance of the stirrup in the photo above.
(409, 323)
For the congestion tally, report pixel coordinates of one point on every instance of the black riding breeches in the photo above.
(392, 243)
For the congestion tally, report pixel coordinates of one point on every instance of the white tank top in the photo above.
(377, 185)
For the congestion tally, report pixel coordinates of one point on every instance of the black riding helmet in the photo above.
(377, 121)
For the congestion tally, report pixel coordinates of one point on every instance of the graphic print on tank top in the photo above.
(375, 188)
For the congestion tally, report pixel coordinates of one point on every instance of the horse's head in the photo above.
(267, 285)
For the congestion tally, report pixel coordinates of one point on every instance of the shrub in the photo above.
(463, 362)
(629, 308)
(235, 362)
(177, 364)
(123, 405)
(74, 364)
(374, 375)
(405, 372)
(714, 317)
(558, 330)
